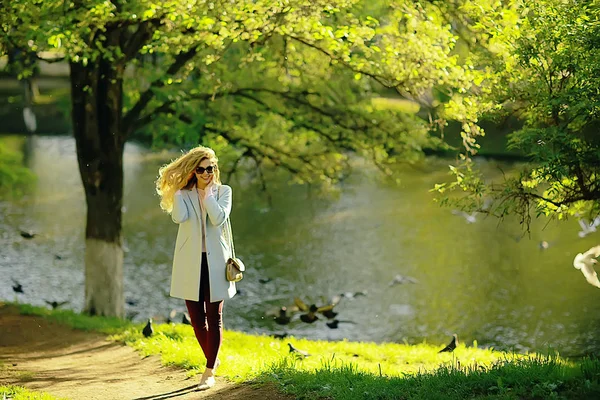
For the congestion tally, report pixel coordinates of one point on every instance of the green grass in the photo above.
(512, 378)
(78, 321)
(14, 177)
(20, 393)
(355, 370)
(247, 357)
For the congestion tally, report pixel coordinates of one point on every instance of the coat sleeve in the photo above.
(218, 210)
(180, 211)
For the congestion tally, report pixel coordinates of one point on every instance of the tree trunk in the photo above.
(97, 93)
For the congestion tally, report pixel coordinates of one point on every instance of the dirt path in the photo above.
(46, 356)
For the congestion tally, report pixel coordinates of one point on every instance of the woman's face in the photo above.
(205, 171)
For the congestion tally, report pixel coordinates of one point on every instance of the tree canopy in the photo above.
(538, 62)
(293, 83)
(287, 83)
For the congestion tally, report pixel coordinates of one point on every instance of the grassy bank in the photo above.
(351, 370)
(14, 176)
(20, 393)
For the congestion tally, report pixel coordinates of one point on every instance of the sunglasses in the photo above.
(210, 169)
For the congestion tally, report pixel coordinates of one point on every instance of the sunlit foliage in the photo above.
(284, 83)
(538, 62)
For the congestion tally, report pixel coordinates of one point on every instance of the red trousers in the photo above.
(207, 318)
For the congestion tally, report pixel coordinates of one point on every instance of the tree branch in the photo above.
(336, 117)
(255, 149)
(132, 115)
(263, 181)
(342, 141)
(140, 37)
(165, 108)
(343, 144)
(375, 77)
(236, 163)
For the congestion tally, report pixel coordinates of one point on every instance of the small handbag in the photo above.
(235, 267)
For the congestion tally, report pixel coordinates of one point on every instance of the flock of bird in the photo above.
(307, 314)
(586, 227)
(309, 317)
(310, 313)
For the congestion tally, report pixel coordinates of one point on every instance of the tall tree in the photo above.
(284, 83)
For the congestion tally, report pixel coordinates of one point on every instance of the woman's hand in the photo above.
(208, 190)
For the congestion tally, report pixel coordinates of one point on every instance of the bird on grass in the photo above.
(17, 287)
(298, 352)
(56, 304)
(451, 346)
(148, 329)
(585, 263)
(185, 319)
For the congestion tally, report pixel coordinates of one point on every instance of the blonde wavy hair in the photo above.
(176, 175)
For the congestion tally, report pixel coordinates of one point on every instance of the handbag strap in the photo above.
(230, 238)
(228, 228)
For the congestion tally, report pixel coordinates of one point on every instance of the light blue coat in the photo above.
(185, 278)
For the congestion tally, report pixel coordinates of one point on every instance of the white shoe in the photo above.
(206, 383)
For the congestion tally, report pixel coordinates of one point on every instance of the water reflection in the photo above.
(479, 279)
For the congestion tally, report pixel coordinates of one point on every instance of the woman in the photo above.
(191, 191)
